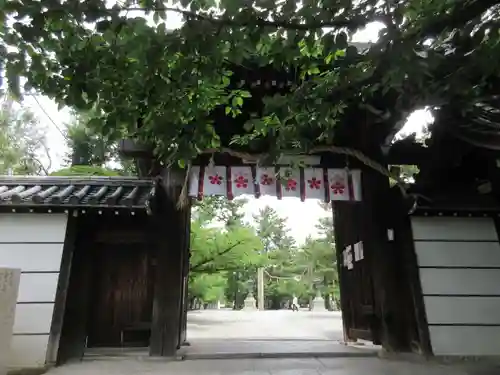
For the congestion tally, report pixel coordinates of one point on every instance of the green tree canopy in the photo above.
(220, 209)
(216, 249)
(224, 251)
(159, 84)
(86, 145)
(85, 170)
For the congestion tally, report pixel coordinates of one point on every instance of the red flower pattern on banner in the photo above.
(265, 179)
(314, 183)
(215, 179)
(338, 185)
(241, 182)
(291, 185)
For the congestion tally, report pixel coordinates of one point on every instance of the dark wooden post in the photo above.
(378, 307)
(339, 223)
(377, 211)
(185, 280)
(171, 225)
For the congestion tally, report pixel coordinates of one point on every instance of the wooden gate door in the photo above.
(121, 296)
(355, 274)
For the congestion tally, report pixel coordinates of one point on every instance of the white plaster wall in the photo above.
(34, 244)
(9, 285)
(459, 264)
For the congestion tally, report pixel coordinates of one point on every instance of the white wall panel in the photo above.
(465, 300)
(462, 310)
(33, 318)
(33, 227)
(454, 229)
(458, 254)
(32, 257)
(460, 281)
(34, 243)
(465, 341)
(28, 351)
(38, 287)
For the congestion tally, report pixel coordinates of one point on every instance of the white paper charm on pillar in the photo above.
(266, 178)
(348, 258)
(214, 181)
(338, 185)
(242, 181)
(313, 183)
(356, 184)
(290, 182)
(194, 181)
(358, 251)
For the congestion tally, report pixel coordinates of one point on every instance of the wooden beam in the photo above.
(414, 299)
(72, 342)
(62, 290)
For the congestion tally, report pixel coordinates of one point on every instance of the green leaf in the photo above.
(237, 101)
(225, 81)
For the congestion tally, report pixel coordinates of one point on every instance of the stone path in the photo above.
(322, 366)
(275, 324)
(235, 333)
(282, 333)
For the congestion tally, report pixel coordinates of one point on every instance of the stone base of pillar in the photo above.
(318, 303)
(250, 303)
(213, 306)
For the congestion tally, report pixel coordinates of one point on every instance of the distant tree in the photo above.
(86, 146)
(279, 247)
(320, 256)
(272, 230)
(23, 142)
(85, 170)
(325, 224)
(207, 288)
(90, 152)
(221, 210)
(222, 248)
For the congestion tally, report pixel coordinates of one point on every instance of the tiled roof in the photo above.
(96, 192)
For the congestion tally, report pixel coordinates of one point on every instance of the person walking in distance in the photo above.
(295, 304)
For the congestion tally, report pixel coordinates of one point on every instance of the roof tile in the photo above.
(81, 192)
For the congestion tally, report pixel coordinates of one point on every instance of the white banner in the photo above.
(316, 183)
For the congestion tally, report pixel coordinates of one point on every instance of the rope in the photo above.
(333, 149)
(284, 277)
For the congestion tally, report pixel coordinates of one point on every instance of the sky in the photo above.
(301, 216)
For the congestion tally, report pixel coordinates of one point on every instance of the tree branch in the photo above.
(462, 12)
(212, 270)
(215, 256)
(340, 22)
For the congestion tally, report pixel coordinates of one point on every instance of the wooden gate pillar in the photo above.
(381, 254)
(372, 291)
(172, 229)
(185, 281)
